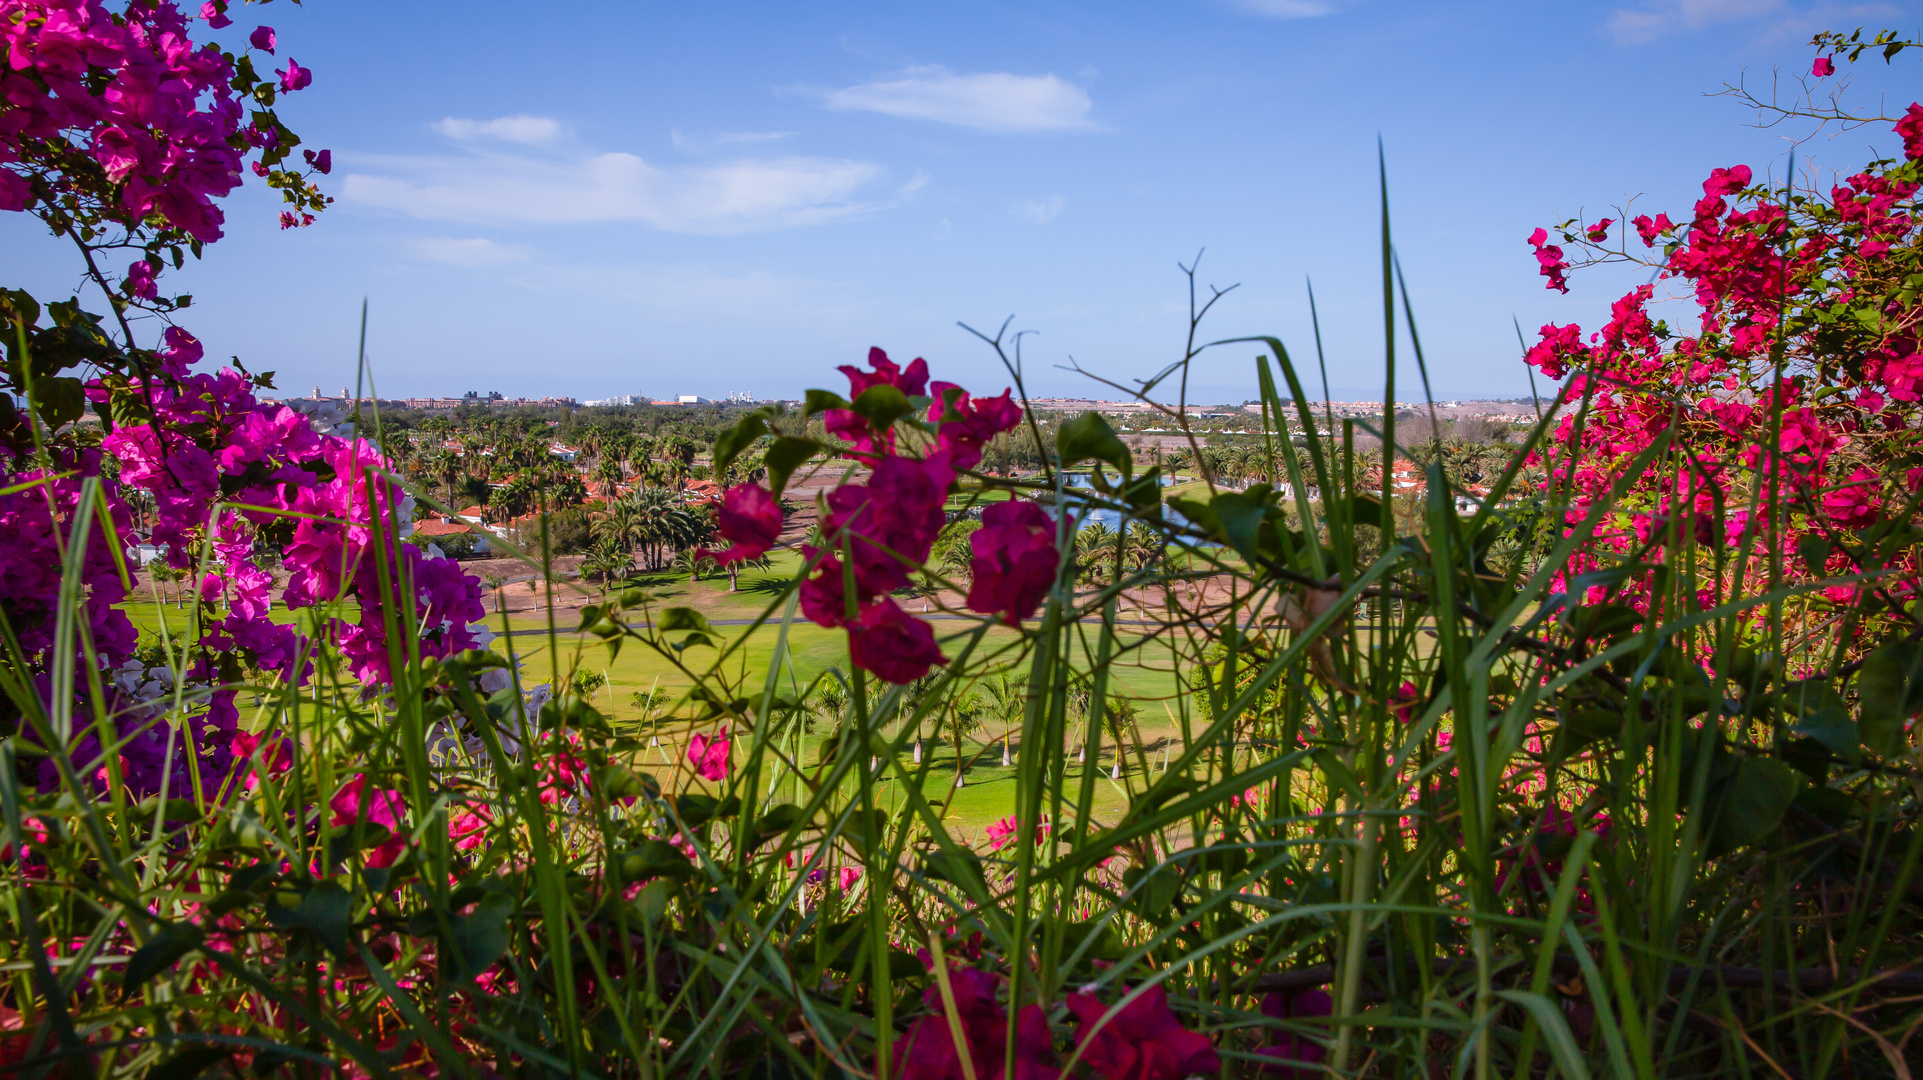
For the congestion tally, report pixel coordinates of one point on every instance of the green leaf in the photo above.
(696, 809)
(677, 619)
(881, 405)
(323, 911)
(1549, 1019)
(776, 822)
(730, 443)
(59, 401)
(1821, 716)
(1240, 519)
(962, 866)
(654, 858)
(1752, 803)
(819, 401)
(189, 1062)
(161, 952)
(1089, 438)
(784, 457)
(481, 936)
(1887, 688)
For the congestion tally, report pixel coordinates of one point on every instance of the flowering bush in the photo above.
(1789, 400)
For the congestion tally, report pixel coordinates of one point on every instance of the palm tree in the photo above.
(1144, 545)
(606, 563)
(759, 562)
(1094, 542)
(1005, 699)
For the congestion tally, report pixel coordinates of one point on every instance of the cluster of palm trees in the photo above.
(1141, 548)
(656, 522)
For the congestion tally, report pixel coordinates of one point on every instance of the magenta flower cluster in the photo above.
(134, 93)
(886, 527)
(1764, 274)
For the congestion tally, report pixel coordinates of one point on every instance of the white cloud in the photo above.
(527, 130)
(707, 140)
(989, 101)
(1038, 211)
(549, 189)
(472, 253)
(1284, 9)
(1653, 20)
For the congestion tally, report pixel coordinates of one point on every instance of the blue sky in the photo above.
(605, 198)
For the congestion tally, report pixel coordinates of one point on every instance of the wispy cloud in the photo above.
(700, 141)
(987, 101)
(568, 187)
(1038, 211)
(527, 130)
(1285, 9)
(1776, 19)
(472, 253)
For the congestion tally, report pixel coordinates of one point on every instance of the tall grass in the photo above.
(1513, 827)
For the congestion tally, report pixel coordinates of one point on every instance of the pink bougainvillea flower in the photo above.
(295, 77)
(215, 15)
(1911, 128)
(1651, 228)
(1727, 181)
(893, 645)
(749, 518)
(1854, 504)
(929, 1051)
(262, 38)
(357, 803)
(1295, 1054)
(322, 161)
(1600, 230)
(1549, 256)
(850, 426)
(710, 756)
(1142, 1041)
(1823, 67)
(847, 877)
(1000, 831)
(140, 280)
(1015, 561)
(966, 424)
(1406, 699)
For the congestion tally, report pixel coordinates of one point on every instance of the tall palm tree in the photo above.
(1094, 544)
(1144, 545)
(1005, 699)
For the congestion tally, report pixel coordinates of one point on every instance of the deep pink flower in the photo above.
(1727, 181)
(1651, 228)
(1289, 1047)
(262, 38)
(1142, 1041)
(929, 1052)
(356, 802)
(295, 77)
(1600, 230)
(710, 756)
(140, 280)
(1911, 128)
(1823, 67)
(849, 425)
(1854, 504)
(892, 645)
(323, 161)
(966, 424)
(847, 877)
(750, 519)
(1549, 257)
(215, 16)
(1015, 561)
